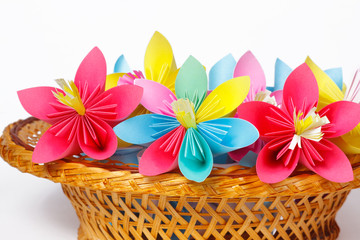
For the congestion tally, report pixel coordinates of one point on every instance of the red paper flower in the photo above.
(82, 114)
(297, 133)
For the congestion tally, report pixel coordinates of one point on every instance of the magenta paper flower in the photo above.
(296, 133)
(248, 65)
(82, 114)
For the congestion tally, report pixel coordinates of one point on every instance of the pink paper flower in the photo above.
(82, 114)
(297, 133)
(248, 65)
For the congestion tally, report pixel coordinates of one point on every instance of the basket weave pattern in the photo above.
(114, 201)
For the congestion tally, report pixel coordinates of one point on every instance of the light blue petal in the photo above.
(195, 157)
(282, 71)
(228, 134)
(191, 82)
(222, 71)
(121, 65)
(145, 128)
(271, 89)
(336, 75)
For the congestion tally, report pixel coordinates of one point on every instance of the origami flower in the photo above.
(159, 64)
(297, 133)
(330, 92)
(247, 65)
(82, 114)
(187, 128)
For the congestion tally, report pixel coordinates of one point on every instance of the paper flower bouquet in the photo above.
(160, 155)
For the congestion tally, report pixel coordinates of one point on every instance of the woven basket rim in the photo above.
(232, 182)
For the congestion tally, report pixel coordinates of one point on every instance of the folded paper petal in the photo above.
(159, 59)
(282, 71)
(336, 75)
(224, 99)
(121, 65)
(112, 80)
(238, 154)
(222, 71)
(59, 148)
(161, 156)
(96, 138)
(278, 96)
(328, 91)
(348, 143)
(248, 65)
(36, 101)
(91, 71)
(335, 167)
(195, 157)
(271, 170)
(156, 97)
(169, 82)
(267, 118)
(343, 117)
(303, 101)
(191, 82)
(227, 134)
(125, 98)
(145, 128)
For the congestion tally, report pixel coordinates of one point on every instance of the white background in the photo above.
(44, 40)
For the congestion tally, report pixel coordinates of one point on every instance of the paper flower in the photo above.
(82, 114)
(159, 64)
(187, 128)
(296, 133)
(247, 65)
(329, 92)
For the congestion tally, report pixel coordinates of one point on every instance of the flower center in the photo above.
(184, 112)
(72, 97)
(264, 96)
(308, 127)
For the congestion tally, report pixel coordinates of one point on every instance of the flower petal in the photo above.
(121, 65)
(145, 128)
(328, 90)
(156, 97)
(222, 71)
(224, 99)
(227, 134)
(195, 157)
(343, 117)
(96, 138)
(36, 101)
(159, 59)
(282, 71)
(256, 147)
(50, 148)
(125, 97)
(161, 156)
(191, 82)
(267, 118)
(278, 96)
(336, 75)
(91, 71)
(335, 167)
(348, 143)
(248, 65)
(272, 170)
(304, 100)
(112, 80)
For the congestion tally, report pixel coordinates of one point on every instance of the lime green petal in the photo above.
(191, 82)
(159, 59)
(328, 90)
(224, 99)
(112, 80)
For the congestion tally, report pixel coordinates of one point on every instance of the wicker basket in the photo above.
(114, 201)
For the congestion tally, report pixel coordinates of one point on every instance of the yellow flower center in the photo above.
(72, 97)
(308, 127)
(184, 112)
